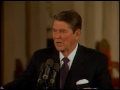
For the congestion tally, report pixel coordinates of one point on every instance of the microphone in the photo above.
(41, 72)
(49, 64)
(39, 81)
(56, 68)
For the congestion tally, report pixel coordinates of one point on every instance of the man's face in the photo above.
(63, 36)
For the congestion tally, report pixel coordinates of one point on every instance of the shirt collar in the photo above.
(71, 55)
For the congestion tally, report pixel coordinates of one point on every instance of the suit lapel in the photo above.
(77, 68)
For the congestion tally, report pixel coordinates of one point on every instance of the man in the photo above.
(87, 68)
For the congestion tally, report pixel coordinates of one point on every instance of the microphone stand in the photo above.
(42, 84)
(45, 82)
(45, 85)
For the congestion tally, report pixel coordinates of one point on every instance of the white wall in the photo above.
(111, 27)
(14, 37)
(100, 20)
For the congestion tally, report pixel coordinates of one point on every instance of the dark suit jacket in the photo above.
(87, 64)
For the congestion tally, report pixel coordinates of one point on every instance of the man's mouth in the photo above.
(58, 42)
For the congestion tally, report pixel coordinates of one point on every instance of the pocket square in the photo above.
(82, 81)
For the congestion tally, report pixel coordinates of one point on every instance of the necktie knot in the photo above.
(65, 60)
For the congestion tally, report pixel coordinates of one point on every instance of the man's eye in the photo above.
(63, 31)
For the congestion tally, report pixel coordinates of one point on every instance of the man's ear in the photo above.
(78, 32)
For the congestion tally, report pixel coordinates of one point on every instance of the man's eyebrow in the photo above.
(58, 29)
(62, 29)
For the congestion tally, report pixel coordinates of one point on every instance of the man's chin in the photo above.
(60, 49)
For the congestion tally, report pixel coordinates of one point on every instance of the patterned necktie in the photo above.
(63, 72)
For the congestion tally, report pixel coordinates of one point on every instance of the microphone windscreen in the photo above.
(56, 67)
(49, 62)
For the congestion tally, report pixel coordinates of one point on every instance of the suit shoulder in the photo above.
(93, 51)
(44, 50)
(94, 54)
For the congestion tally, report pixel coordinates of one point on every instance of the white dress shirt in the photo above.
(70, 57)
